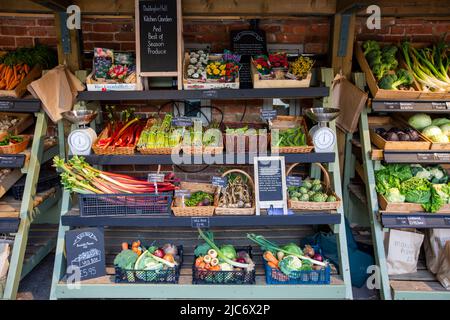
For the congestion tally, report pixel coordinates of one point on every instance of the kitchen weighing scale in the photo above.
(324, 138)
(80, 140)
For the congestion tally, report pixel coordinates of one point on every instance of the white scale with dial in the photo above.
(324, 138)
(80, 140)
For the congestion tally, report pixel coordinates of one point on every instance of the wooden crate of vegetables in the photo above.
(13, 144)
(199, 203)
(207, 140)
(14, 123)
(313, 194)
(394, 71)
(274, 71)
(160, 137)
(245, 137)
(289, 264)
(221, 265)
(435, 130)
(413, 188)
(293, 135)
(152, 264)
(237, 198)
(389, 134)
(120, 136)
(204, 71)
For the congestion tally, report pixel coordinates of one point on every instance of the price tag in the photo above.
(417, 221)
(392, 105)
(447, 221)
(182, 122)
(199, 222)
(210, 94)
(403, 221)
(426, 156)
(155, 177)
(6, 105)
(182, 193)
(12, 161)
(292, 181)
(219, 181)
(444, 157)
(440, 105)
(268, 114)
(406, 106)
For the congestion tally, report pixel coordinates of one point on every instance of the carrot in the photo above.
(13, 84)
(214, 268)
(202, 265)
(26, 68)
(198, 261)
(15, 72)
(272, 265)
(269, 257)
(124, 246)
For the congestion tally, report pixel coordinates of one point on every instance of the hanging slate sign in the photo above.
(270, 183)
(219, 181)
(158, 31)
(248, 43)
(85, 249)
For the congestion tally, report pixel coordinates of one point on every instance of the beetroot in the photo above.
(318, 257)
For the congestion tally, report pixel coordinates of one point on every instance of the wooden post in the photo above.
(343, 62)
(73, 58)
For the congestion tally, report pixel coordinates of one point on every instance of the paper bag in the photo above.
(350, 100)
(403, 251)
(57, 90)
(4, 265)
(443, 274)
(433, 245)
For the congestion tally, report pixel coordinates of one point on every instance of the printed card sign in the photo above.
(270, 183)
(292, 181)
(182, 122)
(85, 250)
(197, 222)
(219, 181)
(268, 114)
(155, 177)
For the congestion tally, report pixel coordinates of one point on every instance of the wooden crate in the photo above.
(273, 83)
(7, 182)
(286, 122)
(406, 207)
(193, 84)
(20, 90)
(387, 123)
(382, 94)
(97, 85)
(25, 120)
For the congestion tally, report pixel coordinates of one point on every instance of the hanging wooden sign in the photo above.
(270, 183)
(158, 39)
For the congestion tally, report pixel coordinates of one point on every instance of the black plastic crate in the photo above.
(47, 180)
(125, 204)
(224, 277)
(171, 275)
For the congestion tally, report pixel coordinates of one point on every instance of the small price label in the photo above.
(10, 161)
(219, 181)
(182, 193)
(6, 105)
(268, 114)
(440, 105)
(210, 94)
(392, 105)
(402, 221)
(447, 221)
(197, 222)
(426, 156)
(416, 221)
(406, 106)
(292, 181)
(155, 177)
(182, 122)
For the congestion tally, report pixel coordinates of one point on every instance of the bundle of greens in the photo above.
(430, 66)
(293, 137)
(160, 135)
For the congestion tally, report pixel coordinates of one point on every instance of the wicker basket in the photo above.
(308, 205)
(169, 150)
(235, 211)
(111, 149)
(288, 122)
(198, 211)
(16, 148)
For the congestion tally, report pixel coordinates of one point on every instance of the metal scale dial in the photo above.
(324, 138)
(80, 140)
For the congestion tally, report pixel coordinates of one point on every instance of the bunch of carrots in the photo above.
(11, 76)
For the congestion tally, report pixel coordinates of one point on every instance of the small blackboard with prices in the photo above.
(270, 183)
(248, 43)
(85, 251)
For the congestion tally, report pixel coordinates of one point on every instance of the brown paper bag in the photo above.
(403, 250)
(443, 274)
(433, 245)
(57, 90)
(350, 100)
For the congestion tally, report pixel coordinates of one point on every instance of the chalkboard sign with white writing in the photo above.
(85, 250)
(158, 36)
(270, 183)
(248, 43)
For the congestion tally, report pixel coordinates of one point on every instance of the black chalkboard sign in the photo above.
(158, 36)
(85, 250)
(270, 183)
(248, 43)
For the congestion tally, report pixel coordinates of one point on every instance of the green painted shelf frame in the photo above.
(378, 231)
(340, 290)
(29, 214)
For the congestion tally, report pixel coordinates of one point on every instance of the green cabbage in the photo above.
(292, 248)
(416, 190)
(440, 121)
(445, 129)
(126, 259)
(420, 121)
(394, 195)
(290, 264)
(229, 251)
(431, 131)
(439, 197)
(440, 138)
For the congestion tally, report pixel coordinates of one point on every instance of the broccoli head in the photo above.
(373, 58)
(370, 45)
(393, 81)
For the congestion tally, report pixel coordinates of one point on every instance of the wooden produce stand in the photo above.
(16, 217)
